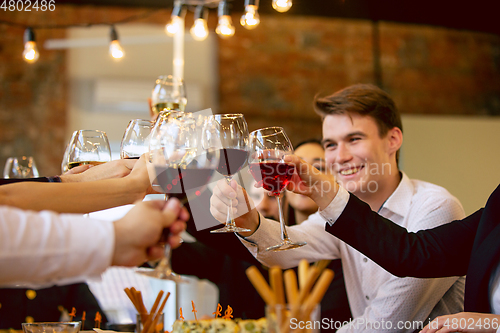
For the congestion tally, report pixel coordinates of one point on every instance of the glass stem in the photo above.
(165, 261)
(230, 218)
(164, 264)
(284, 234)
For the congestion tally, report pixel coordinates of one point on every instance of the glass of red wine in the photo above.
(154, 142)
(183, 168)
(268, 147)
(232, 142)
(135, 141)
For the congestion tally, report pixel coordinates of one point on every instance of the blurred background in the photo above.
(440, 61)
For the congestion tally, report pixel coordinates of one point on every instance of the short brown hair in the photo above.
(365, 100)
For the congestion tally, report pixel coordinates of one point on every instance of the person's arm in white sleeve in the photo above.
(42, 248)
(46, 248)
(320, 244)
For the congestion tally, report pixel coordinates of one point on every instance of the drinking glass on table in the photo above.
(232, 142)
(183, 168)
(20, 167)
(88, 147)
(169, 93)
(268, 147)
(135, 141)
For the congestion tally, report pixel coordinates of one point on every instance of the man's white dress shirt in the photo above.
(46, 248)
(379, 301)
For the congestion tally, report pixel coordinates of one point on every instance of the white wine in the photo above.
(166, 106)
(72, 165)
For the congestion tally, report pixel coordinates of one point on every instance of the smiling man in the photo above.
(362, 135)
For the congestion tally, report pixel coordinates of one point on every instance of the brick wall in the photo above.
(32, 96)
(271, 74)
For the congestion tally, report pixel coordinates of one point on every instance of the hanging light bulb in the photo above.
(30, 53)
(176, 22)
(225, 26)
(250, 18)
(199, 30)
(282, 5)
(115, 49)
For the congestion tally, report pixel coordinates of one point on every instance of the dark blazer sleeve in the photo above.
(5, 181)
(438, 252)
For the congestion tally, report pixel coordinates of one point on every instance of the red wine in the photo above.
(231, 161)
(273, 176)
(182, 183)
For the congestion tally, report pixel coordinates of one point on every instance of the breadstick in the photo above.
(152, 328)
(149, 320)
(322, 264)
(276, 281)
(131, 296)
(318, 291)
(303, 271)
(292, 291)
(261, 285)
(143, 312)
(312, 275)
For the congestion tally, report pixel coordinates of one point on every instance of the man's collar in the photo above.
(400, 200)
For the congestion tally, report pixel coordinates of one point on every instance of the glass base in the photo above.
(230, 228)
(160, 274)
(286, 245)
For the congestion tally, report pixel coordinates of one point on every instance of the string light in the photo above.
(282, 5)
(225, 26)
(30, 53)
(250, 18)
(115, 49)
(199, 30)
(176, 21)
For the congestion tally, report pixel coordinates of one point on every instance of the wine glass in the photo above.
(88, 147)
(183, 168)
(169, 93)
(135, 141)
(65, 160)
(20, 167)
(232, 142)
(154, 141)
(163, 117)
(268, 147)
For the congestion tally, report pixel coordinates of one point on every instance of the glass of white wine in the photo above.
(88, 147)
(135, 141)
(169, 93)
